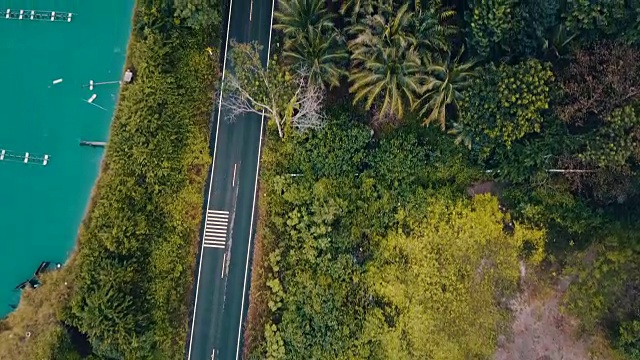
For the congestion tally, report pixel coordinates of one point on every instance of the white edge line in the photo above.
(213, 164)
(255, 191)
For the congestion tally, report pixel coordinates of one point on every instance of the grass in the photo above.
(37, 314)
(258, 298)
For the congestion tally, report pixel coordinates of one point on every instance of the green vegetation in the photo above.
(127, 288)
(380, 237)
(312, 43)
(370, 247)
(505, 103)
(439, 277)
(131, 293)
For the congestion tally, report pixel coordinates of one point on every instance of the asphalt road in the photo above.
(223, 278)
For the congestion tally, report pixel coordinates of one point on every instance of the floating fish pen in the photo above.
(32, 283)
(93, 143)
(41, 15)
(42, 268)
(26, 158)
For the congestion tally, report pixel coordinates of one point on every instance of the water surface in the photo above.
(41, 207)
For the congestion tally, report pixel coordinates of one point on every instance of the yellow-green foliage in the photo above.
(618, 141)
(445, 280)
(607, 16)
(506, 102)
(604, 291)
(490, 23)
(37, 315)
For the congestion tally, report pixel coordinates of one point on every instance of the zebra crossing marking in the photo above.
(215, 229)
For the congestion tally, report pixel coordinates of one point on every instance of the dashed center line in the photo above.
(215, 229)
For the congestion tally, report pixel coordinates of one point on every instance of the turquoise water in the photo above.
(41, 207)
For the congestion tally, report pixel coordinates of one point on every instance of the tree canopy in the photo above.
(442, 280)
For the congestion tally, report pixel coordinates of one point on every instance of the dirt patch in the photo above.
(541, 330)
(485, 187)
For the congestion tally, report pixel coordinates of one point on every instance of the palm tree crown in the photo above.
(297, 16)
(360, 8)
(385, 61)
(444, 84)
(312, 42)
(319, 54)
(431, 29)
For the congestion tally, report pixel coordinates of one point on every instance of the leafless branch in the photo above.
(305, 106)
(309, 113)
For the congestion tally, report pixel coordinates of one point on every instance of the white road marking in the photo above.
(235, 168)
(224, 259)
(255, 189)
(213, 227)
(213, 164)
(216, 225)
(250, 10)
(216, 242)
(219, 236)
(217, 246)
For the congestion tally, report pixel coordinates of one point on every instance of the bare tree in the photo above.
(289, 100)
(307, 105)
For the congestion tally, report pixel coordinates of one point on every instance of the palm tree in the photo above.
(319, 53)
(445, 82)
(431, 28)
(355, 10)
(297, 16)
(385, 62)
(355, 6)
(393, 75)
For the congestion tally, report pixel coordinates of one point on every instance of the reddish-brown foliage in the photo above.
(598, 81)
(604, 185)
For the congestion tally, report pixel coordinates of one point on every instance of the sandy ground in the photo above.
(541, 332)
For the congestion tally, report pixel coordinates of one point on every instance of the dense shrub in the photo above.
(137, 251)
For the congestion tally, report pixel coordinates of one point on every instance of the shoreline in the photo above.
(101, 169)
(36, 309)
(144, 205)
(45, 206)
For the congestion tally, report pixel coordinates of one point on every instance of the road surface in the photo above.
(222, 283)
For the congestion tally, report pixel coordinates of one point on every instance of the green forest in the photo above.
(429, 162)
(430, 168)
